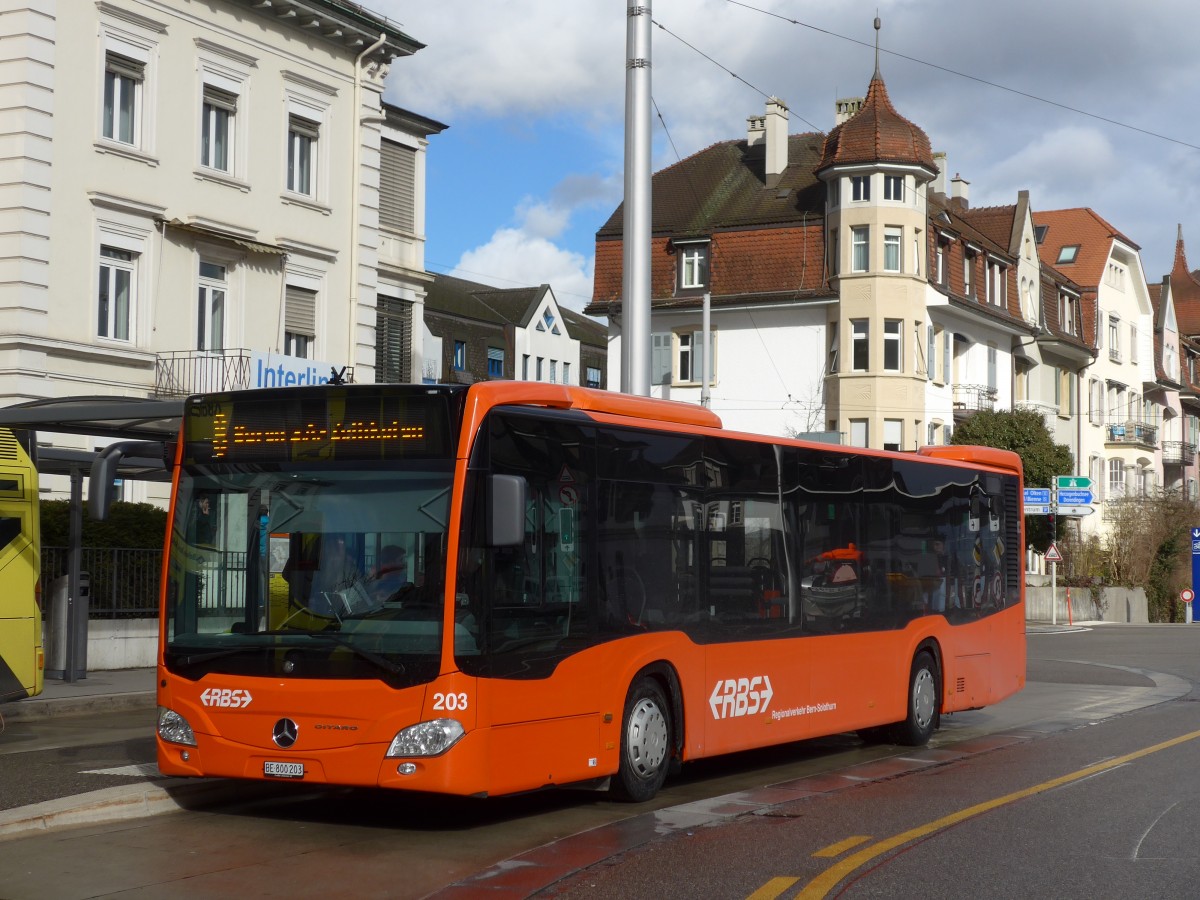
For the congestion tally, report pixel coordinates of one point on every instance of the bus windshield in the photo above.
(322, 572)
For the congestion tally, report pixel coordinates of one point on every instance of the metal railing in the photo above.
(973, 398)
(1144, 434)
(124, 583)
(1179, 453)
(179, 373)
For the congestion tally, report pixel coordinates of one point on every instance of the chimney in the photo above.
(777, 139)
(960, 190)
(845, 108)
(756, 130)
(939, 181)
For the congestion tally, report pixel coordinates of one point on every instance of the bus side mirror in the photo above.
(506, 510)
(102, 480)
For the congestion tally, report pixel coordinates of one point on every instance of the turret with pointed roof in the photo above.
(877, 133)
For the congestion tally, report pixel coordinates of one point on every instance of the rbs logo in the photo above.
(227, 698)
(741, 697)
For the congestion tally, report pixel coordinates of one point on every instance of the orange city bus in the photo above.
(489, 589)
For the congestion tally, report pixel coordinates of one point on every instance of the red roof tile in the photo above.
(877, 133)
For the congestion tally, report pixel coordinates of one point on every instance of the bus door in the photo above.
(20, 616)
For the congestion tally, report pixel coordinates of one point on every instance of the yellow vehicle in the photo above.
(22, 658)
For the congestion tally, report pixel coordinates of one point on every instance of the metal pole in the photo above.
(74, 565)
(1053, 593)
(705, 366)
(635, 331)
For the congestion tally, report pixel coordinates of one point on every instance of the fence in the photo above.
(124, 582)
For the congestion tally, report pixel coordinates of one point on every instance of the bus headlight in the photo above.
(174, 728)
(427, 738)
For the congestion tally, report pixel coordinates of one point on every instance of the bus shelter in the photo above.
(128, 422)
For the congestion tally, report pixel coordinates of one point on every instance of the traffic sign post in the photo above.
(1195, 564)
(1187, 595)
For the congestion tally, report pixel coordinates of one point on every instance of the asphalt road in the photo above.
(743, 826)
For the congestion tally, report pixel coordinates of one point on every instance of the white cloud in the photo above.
(516, 258)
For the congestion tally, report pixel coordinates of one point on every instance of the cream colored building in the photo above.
(190, 196)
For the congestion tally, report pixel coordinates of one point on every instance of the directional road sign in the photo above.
(1076, 510)
(1072, 482)
(1036, 495)
(1037, 509)
(1074, 498)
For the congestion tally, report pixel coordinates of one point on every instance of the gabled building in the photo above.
(475, 332)
(1120, 443)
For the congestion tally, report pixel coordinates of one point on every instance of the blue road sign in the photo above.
(1195, 565)
(1074, 498)
(1037, 495)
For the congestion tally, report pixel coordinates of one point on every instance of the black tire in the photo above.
(924, 702)
(646, 741)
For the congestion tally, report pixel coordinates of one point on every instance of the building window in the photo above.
(300, 323)
(1067, 255)
(1116, 479)
(893, 434)
(393, 339)
(939, 262)
(1133, 343)
(991, 367)
(893, 187)
(302, 155)
(123, 79)
(593, 377)
(968, 265)
(1114, 338)
(860, 187)
(860, 240)
(459, 362)
(548, 322)
(216, 128)
(210, 327)
(541, 365)
(566, 372)
(997, 285)
(859, 433)
(524, 366)
(835, 264)
(891, 345)
(891, 249)
(689, 357)
(833, 348)
(554, 371)
(397, 187)
(860, 344)
(1066, 313)
(115, 295)
(495, 362)
(693, 266)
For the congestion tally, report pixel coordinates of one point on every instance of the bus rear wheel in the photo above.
(645, 743)
(924, 698)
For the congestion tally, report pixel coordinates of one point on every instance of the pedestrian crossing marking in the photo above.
(137, 770)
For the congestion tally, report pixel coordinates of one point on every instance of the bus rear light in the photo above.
(174, 728)
(426, 738)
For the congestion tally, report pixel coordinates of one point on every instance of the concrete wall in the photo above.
(1115, 605)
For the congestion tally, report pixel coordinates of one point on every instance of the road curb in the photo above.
(43, 708)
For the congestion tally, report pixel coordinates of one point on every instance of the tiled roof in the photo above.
(723, 186)
(877, 133)
(505, 306)
(995, 222)
(1185, 290)
(1080, 227)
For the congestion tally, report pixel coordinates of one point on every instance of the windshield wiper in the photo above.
(370, 656)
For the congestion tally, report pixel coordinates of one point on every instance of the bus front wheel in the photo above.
(645, 743)
(923, 702)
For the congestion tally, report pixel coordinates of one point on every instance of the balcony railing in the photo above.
(178, 373)
(973, 398)
(1144, 434)
(1178, 453)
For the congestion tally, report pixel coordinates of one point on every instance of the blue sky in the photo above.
(533, 92)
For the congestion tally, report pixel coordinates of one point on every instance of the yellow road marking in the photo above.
(825, 882)
(772, 889)
(842, 846)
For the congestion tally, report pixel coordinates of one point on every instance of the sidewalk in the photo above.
(98, 692)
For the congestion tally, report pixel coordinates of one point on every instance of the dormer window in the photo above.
(693, 265)
(548, 322)
(1066, 313)
(860, 186)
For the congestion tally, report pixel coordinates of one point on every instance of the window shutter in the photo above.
(397, 186)
(300, 311)
(660, 364)
(393, 353)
